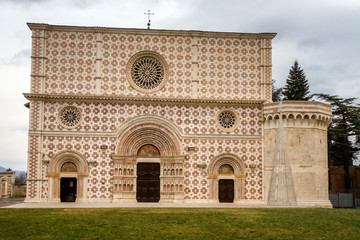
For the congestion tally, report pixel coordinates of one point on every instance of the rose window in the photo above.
(147, 71)
(227, 119)
(70, 117)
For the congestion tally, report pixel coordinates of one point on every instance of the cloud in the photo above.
(311, 43)
(12, 147)
(23, 2)
(323, 35)
(20, 58)
(30, 2)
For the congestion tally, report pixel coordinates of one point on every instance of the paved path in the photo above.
(21, 204)
(5, 202)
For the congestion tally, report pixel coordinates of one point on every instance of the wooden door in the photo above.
(148, 182)
(68, 189)
(226, 190)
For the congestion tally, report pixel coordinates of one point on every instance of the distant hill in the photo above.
(17, 173)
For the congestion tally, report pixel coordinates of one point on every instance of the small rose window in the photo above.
(69, 117)
(227, 120)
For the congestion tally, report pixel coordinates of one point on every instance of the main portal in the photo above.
(148, 182)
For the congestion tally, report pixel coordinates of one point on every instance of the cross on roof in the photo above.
(149, 13)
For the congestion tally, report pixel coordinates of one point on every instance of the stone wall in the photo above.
(7, 181)
(197, 128)
(205, 65)
(19, 190)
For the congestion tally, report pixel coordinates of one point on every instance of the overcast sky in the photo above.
(323, 35)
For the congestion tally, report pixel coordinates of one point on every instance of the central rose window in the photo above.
(147, 71)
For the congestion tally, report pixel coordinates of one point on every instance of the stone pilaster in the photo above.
(266, 70)
(38, 65)
(38, 61)
(195, 67)
(99, 43)
(34, 151)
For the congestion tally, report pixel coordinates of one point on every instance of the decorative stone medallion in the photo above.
(227, 120)
(69, 117)
(147, 71)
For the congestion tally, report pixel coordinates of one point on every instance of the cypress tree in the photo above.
(297, 86)
(276, 92)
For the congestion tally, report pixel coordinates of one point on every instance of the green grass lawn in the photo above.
(179, 224)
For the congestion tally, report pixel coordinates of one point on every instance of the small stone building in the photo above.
(126, 115)
(7, 181)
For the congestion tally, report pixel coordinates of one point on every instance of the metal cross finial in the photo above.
(149, 13)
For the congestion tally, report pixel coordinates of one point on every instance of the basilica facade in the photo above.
(140, 115)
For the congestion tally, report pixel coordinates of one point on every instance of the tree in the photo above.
(276, 92)
(297, 86)
(20, 178)
(343, 133)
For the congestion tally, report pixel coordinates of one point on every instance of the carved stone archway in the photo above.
(3, 187)
(238, 176)
(162, 134)
(55, 174)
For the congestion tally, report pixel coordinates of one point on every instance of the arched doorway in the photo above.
(68, 185)
(226, 186)
(139, 168)
(68, 172)
(3, 187)
(227, 178)
(148, 174)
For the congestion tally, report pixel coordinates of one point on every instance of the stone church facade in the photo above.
(126, 115)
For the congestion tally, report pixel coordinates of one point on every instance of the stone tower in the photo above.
(305, 132)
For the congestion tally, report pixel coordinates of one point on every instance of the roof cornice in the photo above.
(138, 100)
(158, 32)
